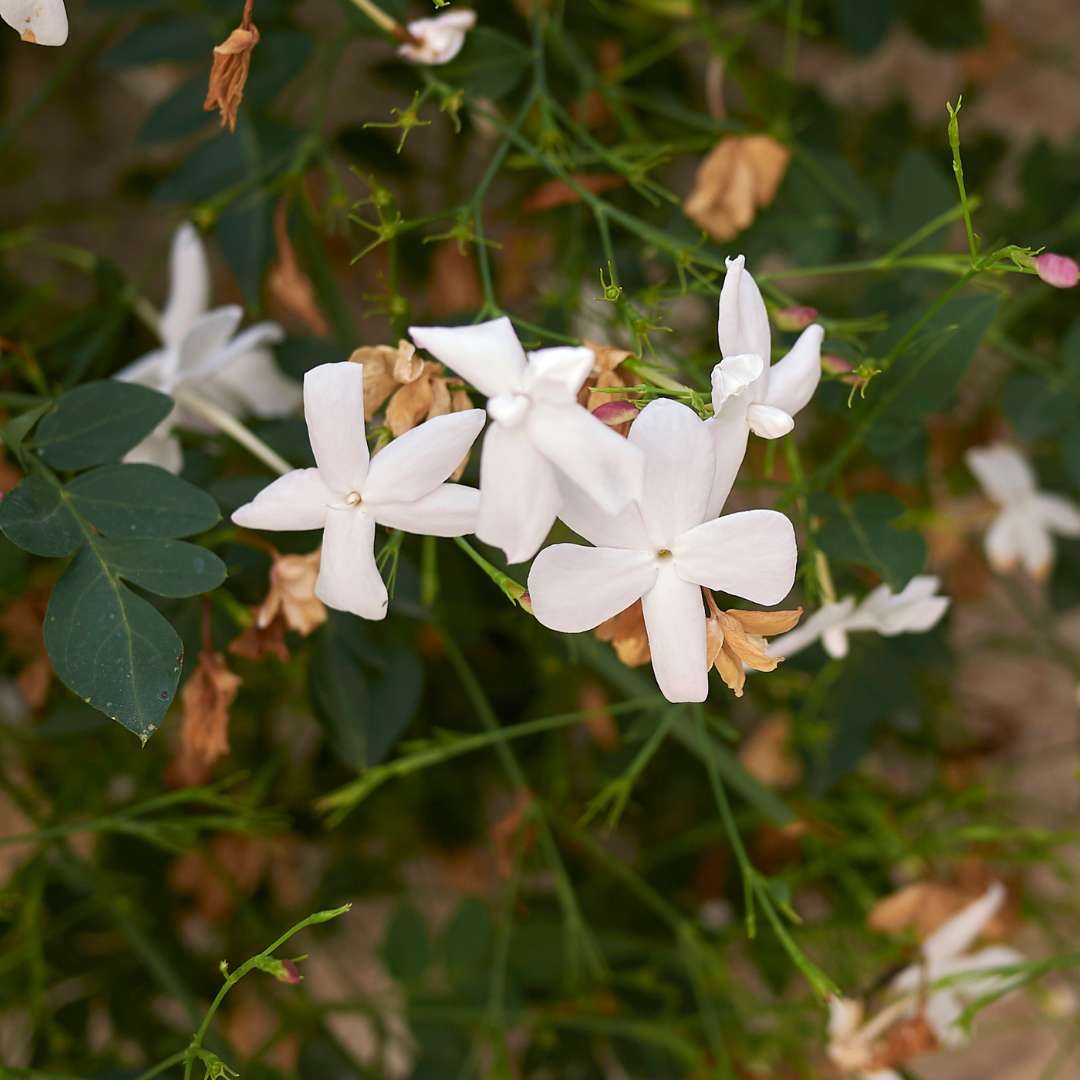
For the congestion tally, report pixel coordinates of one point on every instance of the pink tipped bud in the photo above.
(795, 318)
(614, 413)
(1057, 270)
(290, 973)
(835, 366)
(525, 600)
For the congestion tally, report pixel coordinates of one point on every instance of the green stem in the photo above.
(229, 425)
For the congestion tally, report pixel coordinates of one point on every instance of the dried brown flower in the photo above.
(288, 284)
(455, 281)
(257, 641)
(503, 831)
(232, 59)
(292, 593)
(554, 193)
(21, 624)
(738, 177)
(626, 632)
(765, 754)
(734, 638)
(204, 736)
(600, 724)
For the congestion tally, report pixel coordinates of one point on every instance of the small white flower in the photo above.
(440, 38)
(200, 354)
(41, 22)
(1022, 532)
(348, 494)
(662, 550)
(539, 432)
(749, 392)
(914, 610)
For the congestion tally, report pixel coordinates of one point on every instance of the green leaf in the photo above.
(280, 57)
(1036, 409)
(956, 24)
(490, 64)
(35, 516)
(861, 533)
(164, 567)
(245, 236)
(16, 429)
(864, 23)
(142, 501)
(920, 192)
(467, 941)
(178, 115)
(181, 39)
(111, 647)
(99, 422)
(406, 950)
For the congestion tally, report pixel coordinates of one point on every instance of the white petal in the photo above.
(793, 380)
(417, 462)
(42, 22)
(956, 936)
(743, 325)
(253, 383)
(729, 435)
(556, 375)
(943, 1008)
(608, 468)
(207, 337)
(1002, 472)
(441, 37)
(575, 588)
(625, 529)
(1036, 545)
(1058, 514)
(161, 447)
(334, 410)
(488, 355)
(189, 285)
(1001, 544)
(751, 554)
(154, 370)
(349, 578)
(835, 642)
(823, 621)
(293, 503)
(240, 349)
(680, 465)
(675, 622)
(449, 510)
(733, 376)
(767, 422)
(519, 496)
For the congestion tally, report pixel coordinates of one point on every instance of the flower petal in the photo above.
(835, 642)
(743, 325)
(155, 369)
(449, 510)
(793, 380)
(733, 376)
(1002, 471)
(349, 578)
(488, 355)
(417, 462)
(189, 285)
(626, 529)
(334, 410)
(824, 620)
(674, 618)
(519, 496)
(729, 435)
(294, 502)
(253, 383)
(957, 935)
(680, 465)
(556, 375)
(209, 334)
(253, 339)
(160, 447)
(767, 422)
(1001, 542)
(42, 22)
(1035, 544)
(575, 588)
(751, 554)
(607, 467)
(1058, 514)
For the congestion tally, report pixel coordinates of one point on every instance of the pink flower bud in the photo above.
(1057, 270)
(835, 366)
(795, 318)
(614, 413)
(290, 973)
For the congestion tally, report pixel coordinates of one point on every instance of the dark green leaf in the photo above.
(1036, 409)
(15, 430)
(955, 24)
(864, 23)
(373, 148)
(490, 63)
(298, 355)
(36, 517)
(211, 167)
(860, 532)
(182, 39)
(920, 192)
(142, 501)
(164, 567)
(111, 647)
(467, 941)
(178, 115)
(245, 235)
(99, 422)
(405, 949)
(280, 57)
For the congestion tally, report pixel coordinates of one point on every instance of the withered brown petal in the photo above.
(766, 623)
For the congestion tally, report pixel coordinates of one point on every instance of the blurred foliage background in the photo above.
(498, 928)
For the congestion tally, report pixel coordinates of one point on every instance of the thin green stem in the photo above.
(229, 425)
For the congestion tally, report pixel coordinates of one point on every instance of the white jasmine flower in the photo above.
(914, 610)
(923, 1018)
(662, 550)
(539, 431)
(1023, 531)
(41, 22)
(199, 354)
(347, 494)
(749, 392)
(440, 37)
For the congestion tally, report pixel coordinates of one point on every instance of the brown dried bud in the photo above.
(292, 594)
(735, 637)
(626, 632)
(232, 59)
(204, 737)
(288, 284)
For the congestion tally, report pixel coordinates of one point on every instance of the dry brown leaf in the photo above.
(738, 177)
(13, 822)
(503, 831)
(380, 362)
(21, 623)
(234, 863)
(1000, 51)
(765, 754)
(288, 284)
(626, 632)
(455, 282)
(257, 641)
(601, 724)
(559, 193)
(409, 405)
(232, 59)
(735, 637)
(906, 1039)
(204, 736)
(292, 594)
